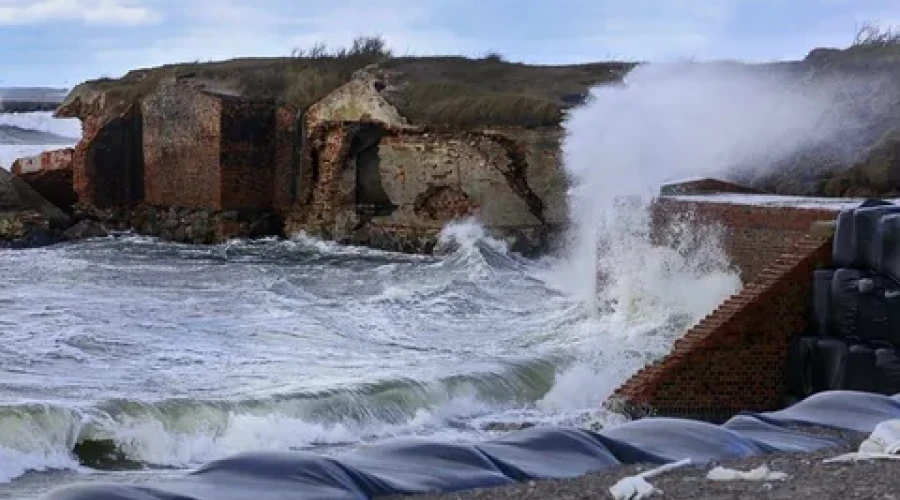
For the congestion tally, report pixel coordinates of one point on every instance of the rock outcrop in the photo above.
(26, 218)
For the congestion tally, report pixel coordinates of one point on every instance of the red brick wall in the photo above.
(247, 150)
(287, 158)
(50, 174)
(182, 136)
(107, 165)
(331, 144)
(735, 358)
(754, 235)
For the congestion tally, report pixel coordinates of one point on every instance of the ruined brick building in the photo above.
(192, 160)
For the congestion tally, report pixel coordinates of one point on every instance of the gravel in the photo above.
(809, 479)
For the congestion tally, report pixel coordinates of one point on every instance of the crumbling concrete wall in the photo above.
(181, 147)
(396, 189)
(356, 101)
(539, 150)
(366, 176)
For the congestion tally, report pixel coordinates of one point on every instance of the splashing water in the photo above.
(677, 121)
(642, 286)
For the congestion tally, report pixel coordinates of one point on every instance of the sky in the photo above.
(63, 42)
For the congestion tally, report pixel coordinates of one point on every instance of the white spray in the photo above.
(672, 122)
(669, 123)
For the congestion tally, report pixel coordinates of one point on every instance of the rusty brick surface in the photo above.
(287, 158)
(57, 159)
(50, 174)
(182, 137)
(107, 164)
(213, 151)
(247, 154)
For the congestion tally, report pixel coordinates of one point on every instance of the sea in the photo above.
(174, 355)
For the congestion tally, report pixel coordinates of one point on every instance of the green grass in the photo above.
(446, 91)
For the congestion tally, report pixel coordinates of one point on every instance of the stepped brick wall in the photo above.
(735, 358)
(755, 235)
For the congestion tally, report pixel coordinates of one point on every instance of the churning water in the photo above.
(178, 355)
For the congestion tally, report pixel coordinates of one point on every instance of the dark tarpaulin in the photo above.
(539, 453)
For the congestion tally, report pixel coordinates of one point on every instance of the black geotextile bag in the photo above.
(845, 299)
(843, 252)
(866, 222)
(800, 366)
(888, 246)
(821, 299)
(842, 246)
(887, 369)
(859, 369)
(892, 304)
(878, 295)
(829, 365)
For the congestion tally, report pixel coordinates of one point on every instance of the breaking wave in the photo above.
(532, 357)
(184, 432)
(184, 354)
(27, 134)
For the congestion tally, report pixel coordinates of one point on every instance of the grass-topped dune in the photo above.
(448, 90)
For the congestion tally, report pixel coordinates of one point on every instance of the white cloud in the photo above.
(102, 12)
(226, 29)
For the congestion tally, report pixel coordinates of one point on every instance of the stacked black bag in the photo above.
(854, 343)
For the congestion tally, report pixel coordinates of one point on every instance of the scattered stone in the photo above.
(85, 229)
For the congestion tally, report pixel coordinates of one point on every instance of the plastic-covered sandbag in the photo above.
(846, 410)
(776, 439)
(675, 439)
(522, 455)
(260, 476)
(842, 246)
(859, 369)
(416, 466)
(866, 222)
(821, 299)
(800, 366)
(829, 365)
(887, 370)
(845, 298)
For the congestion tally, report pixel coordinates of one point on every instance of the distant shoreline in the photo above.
(26, 106)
